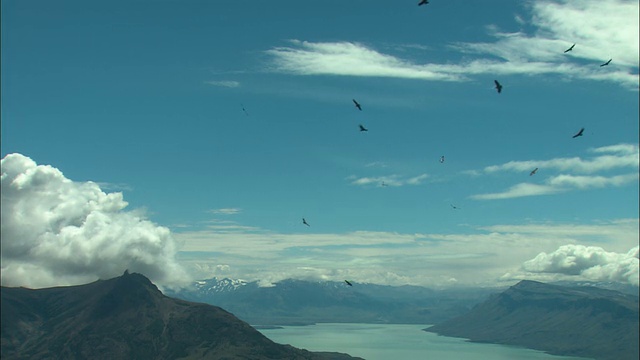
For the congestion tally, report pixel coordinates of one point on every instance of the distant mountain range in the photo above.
(298, 302)
(128, 318)
(583, 321)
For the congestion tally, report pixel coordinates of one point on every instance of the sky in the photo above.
(188, 139)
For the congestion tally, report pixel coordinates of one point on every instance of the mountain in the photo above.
(571, 321)
(128, 318)
(297, 302)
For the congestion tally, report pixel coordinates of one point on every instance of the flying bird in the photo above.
(533, 172)
(357, 104)
(455, 207)
(304, 221)
(607, 63)
(441, 159)
(383, 184)
(243, 109)
(569, 49)
(348, 283)
(498, 86)
(362, 128)
(579, 133)
(423, 2)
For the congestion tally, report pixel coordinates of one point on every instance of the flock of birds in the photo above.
(498, 88)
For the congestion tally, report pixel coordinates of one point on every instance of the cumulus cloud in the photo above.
(56, 231)
(591, 262)
(602, 30)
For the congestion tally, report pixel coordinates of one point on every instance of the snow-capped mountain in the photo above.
(216, 285)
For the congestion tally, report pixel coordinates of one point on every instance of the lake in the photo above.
(406, 342)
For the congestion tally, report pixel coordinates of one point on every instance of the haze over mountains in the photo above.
(295, 302)
(128, 318)
(302, 302)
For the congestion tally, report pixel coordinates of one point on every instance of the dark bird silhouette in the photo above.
(607, 63)
(533, 172)
(455, 207)
(304, 221)
(498, 86)
(348, 283)
(362, 128)
(384, 184)
(423, 2)
(569, 49)
(357, 104)
(441, 159)
(579, 133)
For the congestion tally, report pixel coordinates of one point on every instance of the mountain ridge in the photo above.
(128, 318)
(300, 302)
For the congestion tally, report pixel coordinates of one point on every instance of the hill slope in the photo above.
(128, 318)
(575, 321)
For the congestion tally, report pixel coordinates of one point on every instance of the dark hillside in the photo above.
(573, 321)
(128, 318)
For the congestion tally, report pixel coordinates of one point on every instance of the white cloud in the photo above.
(601, 30)
(389, 180)
(226, 211)
(350, 59)
(608, 158)
(417, 180)
(557, 184)
(624, 230)
(591, 262)
(615, 156)
(59, 232)
(224, 83)
(585, 182)
(519, 190)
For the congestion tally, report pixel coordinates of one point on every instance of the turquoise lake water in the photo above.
(397, 342)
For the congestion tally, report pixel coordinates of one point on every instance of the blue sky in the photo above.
(223, 123)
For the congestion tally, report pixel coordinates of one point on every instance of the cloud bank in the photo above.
(477, 257)
(56, 231)
(590, 262)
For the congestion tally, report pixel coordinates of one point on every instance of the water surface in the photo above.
(400, 342)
